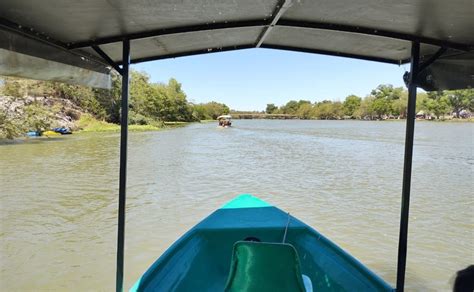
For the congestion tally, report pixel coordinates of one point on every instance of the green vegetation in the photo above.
(384, 102)
(152, 106)
(33, 117)
(29, 105)
(9, 127)
(209, 111)
(89, 124)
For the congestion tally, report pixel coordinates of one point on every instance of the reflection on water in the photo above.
(58, 197)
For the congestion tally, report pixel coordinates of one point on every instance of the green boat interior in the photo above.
(263, 266)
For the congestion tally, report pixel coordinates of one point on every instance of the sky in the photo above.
(250, 79)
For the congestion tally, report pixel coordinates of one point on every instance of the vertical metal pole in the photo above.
(409, 136)
(123, 165)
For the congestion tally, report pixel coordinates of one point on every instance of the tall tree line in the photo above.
(385, 101)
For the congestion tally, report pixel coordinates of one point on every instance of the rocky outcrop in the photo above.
(64, 112)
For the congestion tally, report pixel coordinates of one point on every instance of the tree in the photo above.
(303, 102)
(110, 99)
(436, 103)
(177, 108)
(400, 105)
(387, 91)
(12, 87)
(305, 111)
(33, 117)
(210, 110)
(381, 107)
(328, 110)
(384, 97)
(441, 106)
(290, 107)
(144, 97)
(271, 108)
(461, 100)
(10, 127)
(37, 117)
(365, 110)
(351, 104)
(157, 101)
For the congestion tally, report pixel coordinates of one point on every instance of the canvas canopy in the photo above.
(87, 34)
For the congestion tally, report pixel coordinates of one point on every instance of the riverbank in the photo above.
(272, 117)
(39, 113)
(87, 123)
(36, 106)
(265, 116)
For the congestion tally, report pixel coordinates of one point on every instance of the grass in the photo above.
(208, 121)
(175, 124)
(87, 123)
(143, 128)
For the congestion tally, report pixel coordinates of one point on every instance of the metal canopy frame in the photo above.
(407, 168)
(123, 164)
(267, 26)
(280, 9)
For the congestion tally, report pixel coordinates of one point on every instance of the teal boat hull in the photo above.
(200, 259)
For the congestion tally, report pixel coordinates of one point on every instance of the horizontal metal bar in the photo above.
(170, 31)
(31, 33)
(374, 32)
(107, 59)
(280, 9)
(192, 53)
(330, 53)
(43, 38)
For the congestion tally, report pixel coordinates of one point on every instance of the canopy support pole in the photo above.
(407, 167)
(123, 164)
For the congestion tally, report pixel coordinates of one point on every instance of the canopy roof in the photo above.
(78, 33)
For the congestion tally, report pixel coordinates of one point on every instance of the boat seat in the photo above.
(263, 266)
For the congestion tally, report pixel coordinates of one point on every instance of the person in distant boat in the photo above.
(224, 121)
(464, 280)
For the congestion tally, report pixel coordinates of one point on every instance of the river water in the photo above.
(58, 197)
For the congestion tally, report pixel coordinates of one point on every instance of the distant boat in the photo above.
(50, 134)
(225, 121)
(249, 245)
(33, 134)
(62, 130)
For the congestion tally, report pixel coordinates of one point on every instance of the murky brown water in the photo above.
(58, 197)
